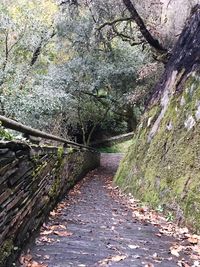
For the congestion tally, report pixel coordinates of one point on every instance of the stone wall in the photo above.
(162, 166)
(32, 180)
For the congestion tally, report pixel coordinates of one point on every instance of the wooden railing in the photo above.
(19, 127)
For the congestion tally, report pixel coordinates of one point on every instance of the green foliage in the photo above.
(5, 134)
(60, 74)
(6, 250)
(170, 217)
(117, 148)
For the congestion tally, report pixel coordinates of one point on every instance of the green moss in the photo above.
(56, 172)
(5, 251)
(54, 190)
(60, 153)
(5, 134)
(167, 169)
(38, 170)
(117, 148)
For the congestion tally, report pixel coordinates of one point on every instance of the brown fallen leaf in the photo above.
(175, 250)
(36, 264)
(183, 230)
(116, 258)
(53, 213)
(183, 264)
(46, 232)
(25, 259)
(62, 233)
(158, 234)
(193, 240)
(196, 248)
(149, 265)
(194, 257)
(44, 239)
(46, 257)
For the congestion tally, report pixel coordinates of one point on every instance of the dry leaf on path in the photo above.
(149, 265)
(53, 213)
(193, 239)
(63, 233)
(27, 261)
(183, 264)
(36, 264)
(46, 232)
(133, 246)
(116, 258)
(175, 250)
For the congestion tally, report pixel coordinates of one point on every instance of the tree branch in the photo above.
(110, 23)
(127, 38)
(145, 32)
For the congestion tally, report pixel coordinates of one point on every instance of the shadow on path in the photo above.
(91, 228)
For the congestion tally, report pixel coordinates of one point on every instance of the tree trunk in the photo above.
(145, 32)
(185, 56)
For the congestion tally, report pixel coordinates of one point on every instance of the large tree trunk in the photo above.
(185, 56)
(143, 29)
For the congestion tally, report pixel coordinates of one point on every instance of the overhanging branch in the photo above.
(110, 23)
(145, 32)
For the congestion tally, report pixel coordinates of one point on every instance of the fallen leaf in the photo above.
(175, 250)
(193, 240)
(36, 264)
(62, 233)
(46, 257)
(149, 265)
(196, 264)
(25, 259)
(183, 264)
(133, 246)
(183, 230)
(136, 256)
(155, 255)
(116, 258)
(47, 232)
(158, 234)
(44, 239)
(53, 213)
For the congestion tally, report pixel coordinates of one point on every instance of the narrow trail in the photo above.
(92, 228)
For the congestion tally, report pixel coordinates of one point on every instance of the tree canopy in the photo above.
(80, 69)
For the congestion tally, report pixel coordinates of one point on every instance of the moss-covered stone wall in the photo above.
(32, 180)
(162, 166)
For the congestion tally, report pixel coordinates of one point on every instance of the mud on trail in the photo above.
(97, 225)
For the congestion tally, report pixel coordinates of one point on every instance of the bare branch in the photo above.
(110, 23)
(128, 38)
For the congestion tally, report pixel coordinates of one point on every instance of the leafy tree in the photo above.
(75, 70)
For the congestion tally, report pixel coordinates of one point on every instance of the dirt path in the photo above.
(92, 227)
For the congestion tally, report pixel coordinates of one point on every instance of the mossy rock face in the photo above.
(5, 251)
(165, 169)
